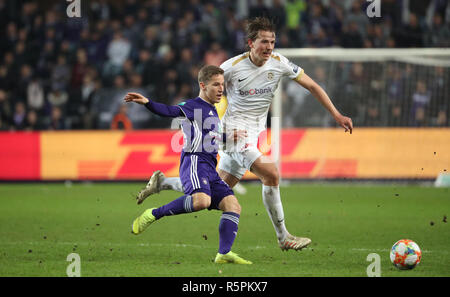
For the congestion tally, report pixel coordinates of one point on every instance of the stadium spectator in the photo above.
(193, 79)
(155, 11)
(373, 116)
(420, 102)
(101, 10)
(185, 64)
(58, 97)
(83, 111)
(183, 93)
(259, 9)
(278, 14)
(358, 16)
(441, 119)
(121, 120)
(147, 67)
(208, 22)
(32, 121)
(377, 35)
(5, 111)
(118, 51)
(235, 33)
(11, 36)
(216, 55)
(318, 26)
(410, 35)
(96, 45)
(149, 40)
(56, 119)
(419, 8)
(25, 77)
(283, 40)
(439, 34)
(135, 80)
(19, 116)
(128, 69)
(167, 63)
(294, 13)
(198, 47)
(320, 38)
(165, 32)
(130, 32)
(79, 69)
(336, 19)
(183, 30)
(395, 93)
(35, 94)
(391, 11)
(5, 78)
(351, 36)
(61, 73)
(439, 98)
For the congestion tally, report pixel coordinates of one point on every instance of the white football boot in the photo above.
(153, 186)
(292, 242)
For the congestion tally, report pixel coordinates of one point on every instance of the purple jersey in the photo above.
(202, 135)
(202, 131)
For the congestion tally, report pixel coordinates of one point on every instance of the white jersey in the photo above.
(250, 90)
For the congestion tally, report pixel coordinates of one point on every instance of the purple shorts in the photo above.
(198, 175)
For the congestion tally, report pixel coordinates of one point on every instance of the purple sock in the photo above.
(227, 231)
(181, 205)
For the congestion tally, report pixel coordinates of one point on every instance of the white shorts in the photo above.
(237, 163)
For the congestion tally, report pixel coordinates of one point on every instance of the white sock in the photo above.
(274, 207)
(172, 183)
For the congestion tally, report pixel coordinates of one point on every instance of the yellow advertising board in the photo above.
(368, 153)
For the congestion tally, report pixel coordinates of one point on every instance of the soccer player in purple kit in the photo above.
(203, 188)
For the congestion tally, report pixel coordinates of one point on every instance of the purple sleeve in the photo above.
(164, 110)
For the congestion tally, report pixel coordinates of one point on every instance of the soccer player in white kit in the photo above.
(251, 80)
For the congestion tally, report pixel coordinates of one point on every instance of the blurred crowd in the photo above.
(59, 73)
(374, 94)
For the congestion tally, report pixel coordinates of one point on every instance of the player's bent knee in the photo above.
(201, 201)
(270, 177)
(274, 177)
(266, 170)
(230, 204)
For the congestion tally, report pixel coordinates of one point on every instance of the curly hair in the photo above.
(258, 24)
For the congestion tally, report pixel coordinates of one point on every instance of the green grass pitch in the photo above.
(41, 224)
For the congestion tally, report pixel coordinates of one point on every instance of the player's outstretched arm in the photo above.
(155, 107)
(319, 93)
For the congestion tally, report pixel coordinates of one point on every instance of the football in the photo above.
(405, 254)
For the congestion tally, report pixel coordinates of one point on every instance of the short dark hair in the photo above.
(207, 72)
(258, 24)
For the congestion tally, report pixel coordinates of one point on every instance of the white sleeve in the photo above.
(290, 69)
(227, 66)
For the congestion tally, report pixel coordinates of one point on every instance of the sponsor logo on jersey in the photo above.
(252, 92)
